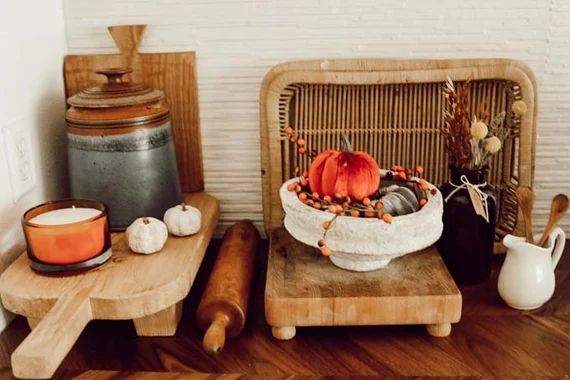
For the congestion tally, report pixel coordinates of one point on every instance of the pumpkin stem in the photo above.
(146, 221)
(183, 204)
(346, 145)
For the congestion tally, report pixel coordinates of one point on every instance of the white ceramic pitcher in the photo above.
(526, 280)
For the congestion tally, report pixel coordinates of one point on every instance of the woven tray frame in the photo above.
(392, 109)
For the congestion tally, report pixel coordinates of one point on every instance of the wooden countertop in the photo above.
(490, 340)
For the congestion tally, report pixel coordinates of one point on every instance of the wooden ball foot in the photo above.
(283, 333)
(439, 330)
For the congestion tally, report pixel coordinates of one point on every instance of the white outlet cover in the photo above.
(18, 148)
(6, 197)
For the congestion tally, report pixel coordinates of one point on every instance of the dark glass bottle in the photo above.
(466, 244)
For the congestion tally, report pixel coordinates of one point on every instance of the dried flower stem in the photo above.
(457, 123)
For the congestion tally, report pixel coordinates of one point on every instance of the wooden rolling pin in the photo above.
(223, 308)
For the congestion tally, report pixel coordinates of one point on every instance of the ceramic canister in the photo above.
(120, 149)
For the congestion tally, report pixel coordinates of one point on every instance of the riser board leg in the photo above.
(163, 323)
(33, 322)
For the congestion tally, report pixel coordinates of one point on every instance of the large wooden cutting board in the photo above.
(173, 73)
(305, 289)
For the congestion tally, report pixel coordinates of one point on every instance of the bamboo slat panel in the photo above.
(393, 110)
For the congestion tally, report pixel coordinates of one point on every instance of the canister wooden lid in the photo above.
(117, 103)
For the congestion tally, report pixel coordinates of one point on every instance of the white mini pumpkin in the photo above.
(183, 220)
(146, 235)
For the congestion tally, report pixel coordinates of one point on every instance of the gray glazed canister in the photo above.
(121, 150)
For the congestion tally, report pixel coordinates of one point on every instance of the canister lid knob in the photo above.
(115, 74)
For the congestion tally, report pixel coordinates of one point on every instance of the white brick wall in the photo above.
(237, 41)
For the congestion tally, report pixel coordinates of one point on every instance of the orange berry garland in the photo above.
(293, 136)
(395, 168)
(340, 205)
(379, 206)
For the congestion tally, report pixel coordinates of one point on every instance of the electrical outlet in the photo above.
(20, 164)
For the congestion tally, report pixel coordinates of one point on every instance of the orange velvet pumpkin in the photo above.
(345, 172)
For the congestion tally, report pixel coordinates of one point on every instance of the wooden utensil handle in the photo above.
(215, 336)
(528, 229)
(44, 349)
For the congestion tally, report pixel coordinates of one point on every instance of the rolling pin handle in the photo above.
(215, 336)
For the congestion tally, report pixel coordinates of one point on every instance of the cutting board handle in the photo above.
(44, 349)
(127, 38)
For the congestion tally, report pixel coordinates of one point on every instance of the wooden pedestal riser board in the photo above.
(148, 289)
(305, 289)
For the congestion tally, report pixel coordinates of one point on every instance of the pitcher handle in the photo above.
(560, 240)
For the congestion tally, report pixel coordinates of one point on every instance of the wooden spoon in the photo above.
(525, 196)
(558, 208)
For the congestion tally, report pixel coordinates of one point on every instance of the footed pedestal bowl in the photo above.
(363, 244)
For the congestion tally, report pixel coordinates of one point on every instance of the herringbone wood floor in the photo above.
(490, 340)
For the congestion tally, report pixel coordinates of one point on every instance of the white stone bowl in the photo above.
(363, 244)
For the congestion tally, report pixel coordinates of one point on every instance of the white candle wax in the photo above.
(65, 216)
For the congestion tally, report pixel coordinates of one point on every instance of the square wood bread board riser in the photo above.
(148, 289)
(305, 289)
(173, 73)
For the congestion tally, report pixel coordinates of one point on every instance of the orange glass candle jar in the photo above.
(69, 234)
